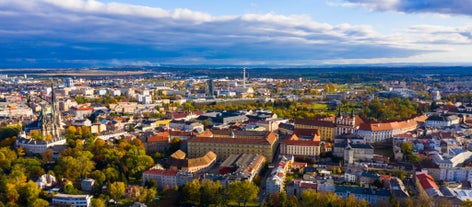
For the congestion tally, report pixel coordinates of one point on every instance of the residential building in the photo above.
(276, 180)
(442, 120)
(227, 142)
(373, 196)
(246, 166)
(178, 162)
(162, 177)
(327, 129)
(71, 200)
(306, 146)
(428, 184)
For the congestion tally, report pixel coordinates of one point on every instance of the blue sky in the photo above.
(81, 33)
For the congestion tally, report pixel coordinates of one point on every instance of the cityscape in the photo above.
(346, 103)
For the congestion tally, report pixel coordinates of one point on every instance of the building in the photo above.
(227, 142)
(326, 129)
(309, 146)
(346, 124)
(71, 200)
(296, 187)
(378, 132)
(162, 177)
(87, 184)
(276, 180)
(178, 162)
(373, 196)
(442, 120)
(46, 181)
(354, 152)
(246, 166)
(428, 184)
(49, 125)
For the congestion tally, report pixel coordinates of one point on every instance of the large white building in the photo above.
(71, 200)
(441, 120)
(162, 177)
(450, 165)
(378, 132)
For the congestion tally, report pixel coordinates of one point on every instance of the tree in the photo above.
(191, 192)
(406, 148)
(210, 192)
(97, 202)
(243, 191)
(467, 203)
(116, 190)
(39, 203)
(310, 197)
(29, 193)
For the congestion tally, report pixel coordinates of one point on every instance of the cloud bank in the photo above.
(74, 33)
(449, 7)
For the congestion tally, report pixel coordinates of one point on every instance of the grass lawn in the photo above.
(317, 106)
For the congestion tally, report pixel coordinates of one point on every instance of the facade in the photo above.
(345, 124)
(72, 200)
(378, 132)
(276, 180)
(162, 177)
(441, 120)
(373, 196)
(327, 129)
(227, 142)
(301, 147)
(354, 152)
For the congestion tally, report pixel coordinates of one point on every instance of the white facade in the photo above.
(162, 177)
(71, 200)
(38, 146)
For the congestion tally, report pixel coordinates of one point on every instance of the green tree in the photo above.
(406, 148)
(243, 191)
(210, 192)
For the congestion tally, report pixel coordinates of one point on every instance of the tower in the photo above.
(244, 77)
(51, 123)
(210, 88)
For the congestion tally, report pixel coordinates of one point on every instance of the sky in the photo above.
(89, 33)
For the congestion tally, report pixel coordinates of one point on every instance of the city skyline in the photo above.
(78, 33)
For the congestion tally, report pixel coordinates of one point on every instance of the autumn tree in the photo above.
(116, 190)
(210, 192)
(191, 192)
(243, 191)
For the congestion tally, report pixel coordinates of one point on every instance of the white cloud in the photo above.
(120, 33)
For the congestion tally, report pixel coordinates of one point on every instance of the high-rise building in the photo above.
(244, 77)
(210, 90)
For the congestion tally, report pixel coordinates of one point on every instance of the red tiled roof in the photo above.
(160, 137)
(301, 142)
(427, 181)
(161, 172)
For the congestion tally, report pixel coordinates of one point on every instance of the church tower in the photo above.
(51, 123)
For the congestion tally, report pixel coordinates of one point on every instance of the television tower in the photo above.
(244, 77)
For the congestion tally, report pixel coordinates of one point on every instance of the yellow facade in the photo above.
(327, 133)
